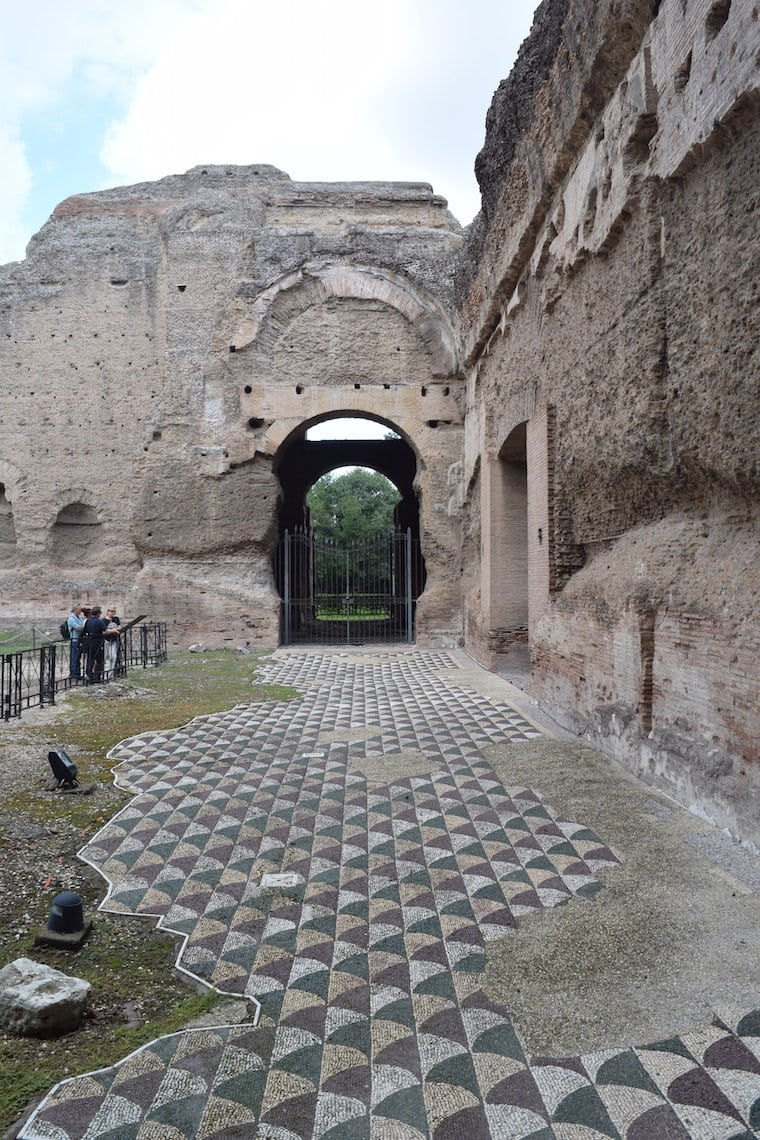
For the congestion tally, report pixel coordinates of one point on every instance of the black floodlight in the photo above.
(67, 928)
(67, 914)
(64, 769)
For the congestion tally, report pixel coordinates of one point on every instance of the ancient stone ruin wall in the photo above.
(576, 379)
(162, 342)
(609, 305)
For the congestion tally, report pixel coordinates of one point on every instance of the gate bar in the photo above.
(286, 589)
(409, 630)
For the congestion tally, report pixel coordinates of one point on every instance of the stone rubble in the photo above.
(38, 1001)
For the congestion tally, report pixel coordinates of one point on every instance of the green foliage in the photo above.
(352, 508)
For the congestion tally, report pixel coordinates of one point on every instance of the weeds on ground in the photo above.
(137, 995)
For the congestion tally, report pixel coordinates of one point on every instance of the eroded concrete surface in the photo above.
(498, 933)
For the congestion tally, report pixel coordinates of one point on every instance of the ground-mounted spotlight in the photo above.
(67, 926)
(64, 769)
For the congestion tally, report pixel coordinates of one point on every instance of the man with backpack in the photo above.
(74, 625)
(94, 628)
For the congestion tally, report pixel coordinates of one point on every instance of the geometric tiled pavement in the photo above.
(372, 1020)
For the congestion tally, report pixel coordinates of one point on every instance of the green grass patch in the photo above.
(18, 640)
(126, 960)
(123, 965)
(156, 699)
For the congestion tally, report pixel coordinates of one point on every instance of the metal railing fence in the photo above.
(30, 678)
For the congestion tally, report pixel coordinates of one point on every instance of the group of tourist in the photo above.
(93, 643)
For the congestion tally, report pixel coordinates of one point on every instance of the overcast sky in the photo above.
(97, 93)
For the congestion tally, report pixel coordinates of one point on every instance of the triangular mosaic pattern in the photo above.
(373, 1020)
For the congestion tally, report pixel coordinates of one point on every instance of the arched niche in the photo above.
(7, 525)
(76, 535)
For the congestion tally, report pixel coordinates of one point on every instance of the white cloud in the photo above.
(287, 85)
(14, 187)
(328, 90)
(44, 44)
(343, 427)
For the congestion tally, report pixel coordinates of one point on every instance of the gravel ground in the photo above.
(37, 859)
(41, 831)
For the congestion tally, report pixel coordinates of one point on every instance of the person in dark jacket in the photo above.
(93, 631)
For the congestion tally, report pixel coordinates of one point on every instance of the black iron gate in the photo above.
(339, 595)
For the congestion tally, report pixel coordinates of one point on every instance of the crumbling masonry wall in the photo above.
(576, 376)
(161, 343)
(609, 302)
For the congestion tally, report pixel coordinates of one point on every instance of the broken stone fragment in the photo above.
(282, 883)
(38, 1001)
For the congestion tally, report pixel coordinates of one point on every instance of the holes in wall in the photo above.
(248, 389)
(156, 434)
(233, 348)
(181, 288)
(589, 215)
(681, 77)
(637, 148)
(119, 282)
(716, 18)
(432, 423)
(254, 423)
(299, 389)
(357, 387)
(423, 391)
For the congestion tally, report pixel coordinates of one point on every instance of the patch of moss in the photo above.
(126, 960)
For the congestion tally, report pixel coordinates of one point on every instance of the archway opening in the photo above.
(508, 554)
(352, 581)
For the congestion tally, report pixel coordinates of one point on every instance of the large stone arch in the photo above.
(353, 339)
(314, 284)
(299, 462)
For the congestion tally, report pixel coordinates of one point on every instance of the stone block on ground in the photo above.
(38, 1001)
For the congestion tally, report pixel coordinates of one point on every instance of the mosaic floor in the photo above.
(372, 1023)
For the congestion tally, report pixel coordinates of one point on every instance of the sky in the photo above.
(100, 93)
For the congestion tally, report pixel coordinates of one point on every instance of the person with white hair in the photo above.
(111, 643)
